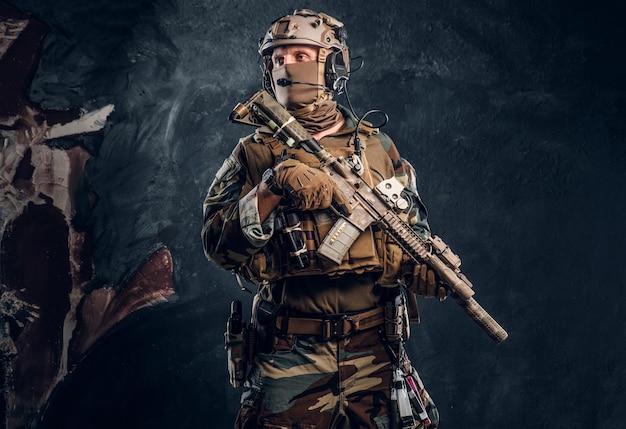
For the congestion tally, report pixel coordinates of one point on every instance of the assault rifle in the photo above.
(380, 205)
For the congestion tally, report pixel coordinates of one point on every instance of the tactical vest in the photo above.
(372, 252)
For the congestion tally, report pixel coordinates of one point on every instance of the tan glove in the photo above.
(311, 188)
(423, 280)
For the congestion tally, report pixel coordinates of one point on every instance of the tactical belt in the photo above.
(330, 326)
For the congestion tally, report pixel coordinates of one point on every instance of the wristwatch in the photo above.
(268, 179)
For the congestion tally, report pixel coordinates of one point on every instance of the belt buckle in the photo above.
(332, 327)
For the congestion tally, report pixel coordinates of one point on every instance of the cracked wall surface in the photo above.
(49, 318)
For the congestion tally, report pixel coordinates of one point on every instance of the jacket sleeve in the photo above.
(232, 232)
(417, 214)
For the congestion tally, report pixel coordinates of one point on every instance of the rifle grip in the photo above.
(482, 318)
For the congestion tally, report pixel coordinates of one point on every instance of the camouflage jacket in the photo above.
(232, 234)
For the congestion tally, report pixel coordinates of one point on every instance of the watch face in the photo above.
(268, 179)
(267, 176)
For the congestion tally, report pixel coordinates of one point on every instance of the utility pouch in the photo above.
(236, 344)
(396, 319)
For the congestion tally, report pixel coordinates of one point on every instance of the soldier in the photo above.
(323, 335)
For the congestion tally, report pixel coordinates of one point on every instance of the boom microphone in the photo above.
(286, 82)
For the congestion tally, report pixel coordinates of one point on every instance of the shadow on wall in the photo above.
(50, 318)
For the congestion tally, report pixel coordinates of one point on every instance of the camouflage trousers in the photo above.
(308, 383)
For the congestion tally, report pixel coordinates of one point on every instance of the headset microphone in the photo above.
(283, 82)
(286, 82)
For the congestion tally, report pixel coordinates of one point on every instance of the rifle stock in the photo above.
(368, 205)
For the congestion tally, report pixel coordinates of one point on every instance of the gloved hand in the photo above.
(423, 280)
(311, 188)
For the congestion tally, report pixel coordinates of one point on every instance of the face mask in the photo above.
(297, 95)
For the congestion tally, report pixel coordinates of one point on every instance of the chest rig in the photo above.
(371, 252)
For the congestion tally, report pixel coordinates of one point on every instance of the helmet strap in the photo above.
(322, 93)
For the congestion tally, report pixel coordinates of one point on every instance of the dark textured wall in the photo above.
(513, 115)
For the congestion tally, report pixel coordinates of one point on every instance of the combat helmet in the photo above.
(306, 27)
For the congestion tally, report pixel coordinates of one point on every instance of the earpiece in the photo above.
(336, 73)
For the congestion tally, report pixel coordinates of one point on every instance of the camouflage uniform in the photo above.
(300, 380)
(308, 383)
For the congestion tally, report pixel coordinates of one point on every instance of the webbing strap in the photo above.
(330, 326)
